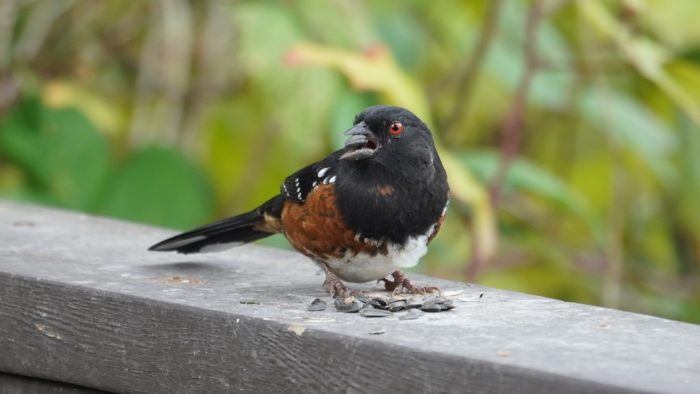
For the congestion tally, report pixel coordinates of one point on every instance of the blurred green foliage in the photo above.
(178, 112)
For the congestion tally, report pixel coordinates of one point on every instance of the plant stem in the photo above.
(512, 126)
(465, 83)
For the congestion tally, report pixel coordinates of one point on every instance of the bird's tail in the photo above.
(256, 224)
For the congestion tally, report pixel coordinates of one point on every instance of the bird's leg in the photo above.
(332, 284)
(402, 282)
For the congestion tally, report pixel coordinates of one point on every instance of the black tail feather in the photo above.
(233, 231)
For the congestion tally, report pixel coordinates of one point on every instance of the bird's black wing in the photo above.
(298, 185)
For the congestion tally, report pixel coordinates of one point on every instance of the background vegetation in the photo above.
(570, 128)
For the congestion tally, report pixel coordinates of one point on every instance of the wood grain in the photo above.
(15, 384)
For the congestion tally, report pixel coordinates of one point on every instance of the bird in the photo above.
(363, 213)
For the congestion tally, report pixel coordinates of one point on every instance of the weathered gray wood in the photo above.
(15, 384)
(82, 302)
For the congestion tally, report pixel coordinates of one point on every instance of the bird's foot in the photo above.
(401, 282)
(335, 287)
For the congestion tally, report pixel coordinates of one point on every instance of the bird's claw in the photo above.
(336, 288)
(401, 283)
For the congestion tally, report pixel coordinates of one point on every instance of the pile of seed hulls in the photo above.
(379, 305)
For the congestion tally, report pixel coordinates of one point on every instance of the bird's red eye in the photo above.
(395, 129)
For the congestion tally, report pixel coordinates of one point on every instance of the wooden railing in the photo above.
(84, 307)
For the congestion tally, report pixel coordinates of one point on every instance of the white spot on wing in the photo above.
(332, 179)
(322, 172)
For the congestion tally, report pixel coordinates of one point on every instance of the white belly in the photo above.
(364, 267)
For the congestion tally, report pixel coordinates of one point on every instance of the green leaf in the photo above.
(526, 177)
(677, 25)
(631, 126)
(59, 150)
(20, 135)
(159, 186)
(345, 107)
(402, 33)
(266, 31)
(646, 55)
(78, 157)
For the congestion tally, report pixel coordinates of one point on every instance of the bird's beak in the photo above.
(361, 144)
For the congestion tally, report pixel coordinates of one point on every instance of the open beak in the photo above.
(361, 144)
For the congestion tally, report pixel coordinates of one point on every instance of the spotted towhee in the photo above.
(361, 214)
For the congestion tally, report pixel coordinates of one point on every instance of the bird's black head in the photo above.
(385, 135)
(390, 182)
